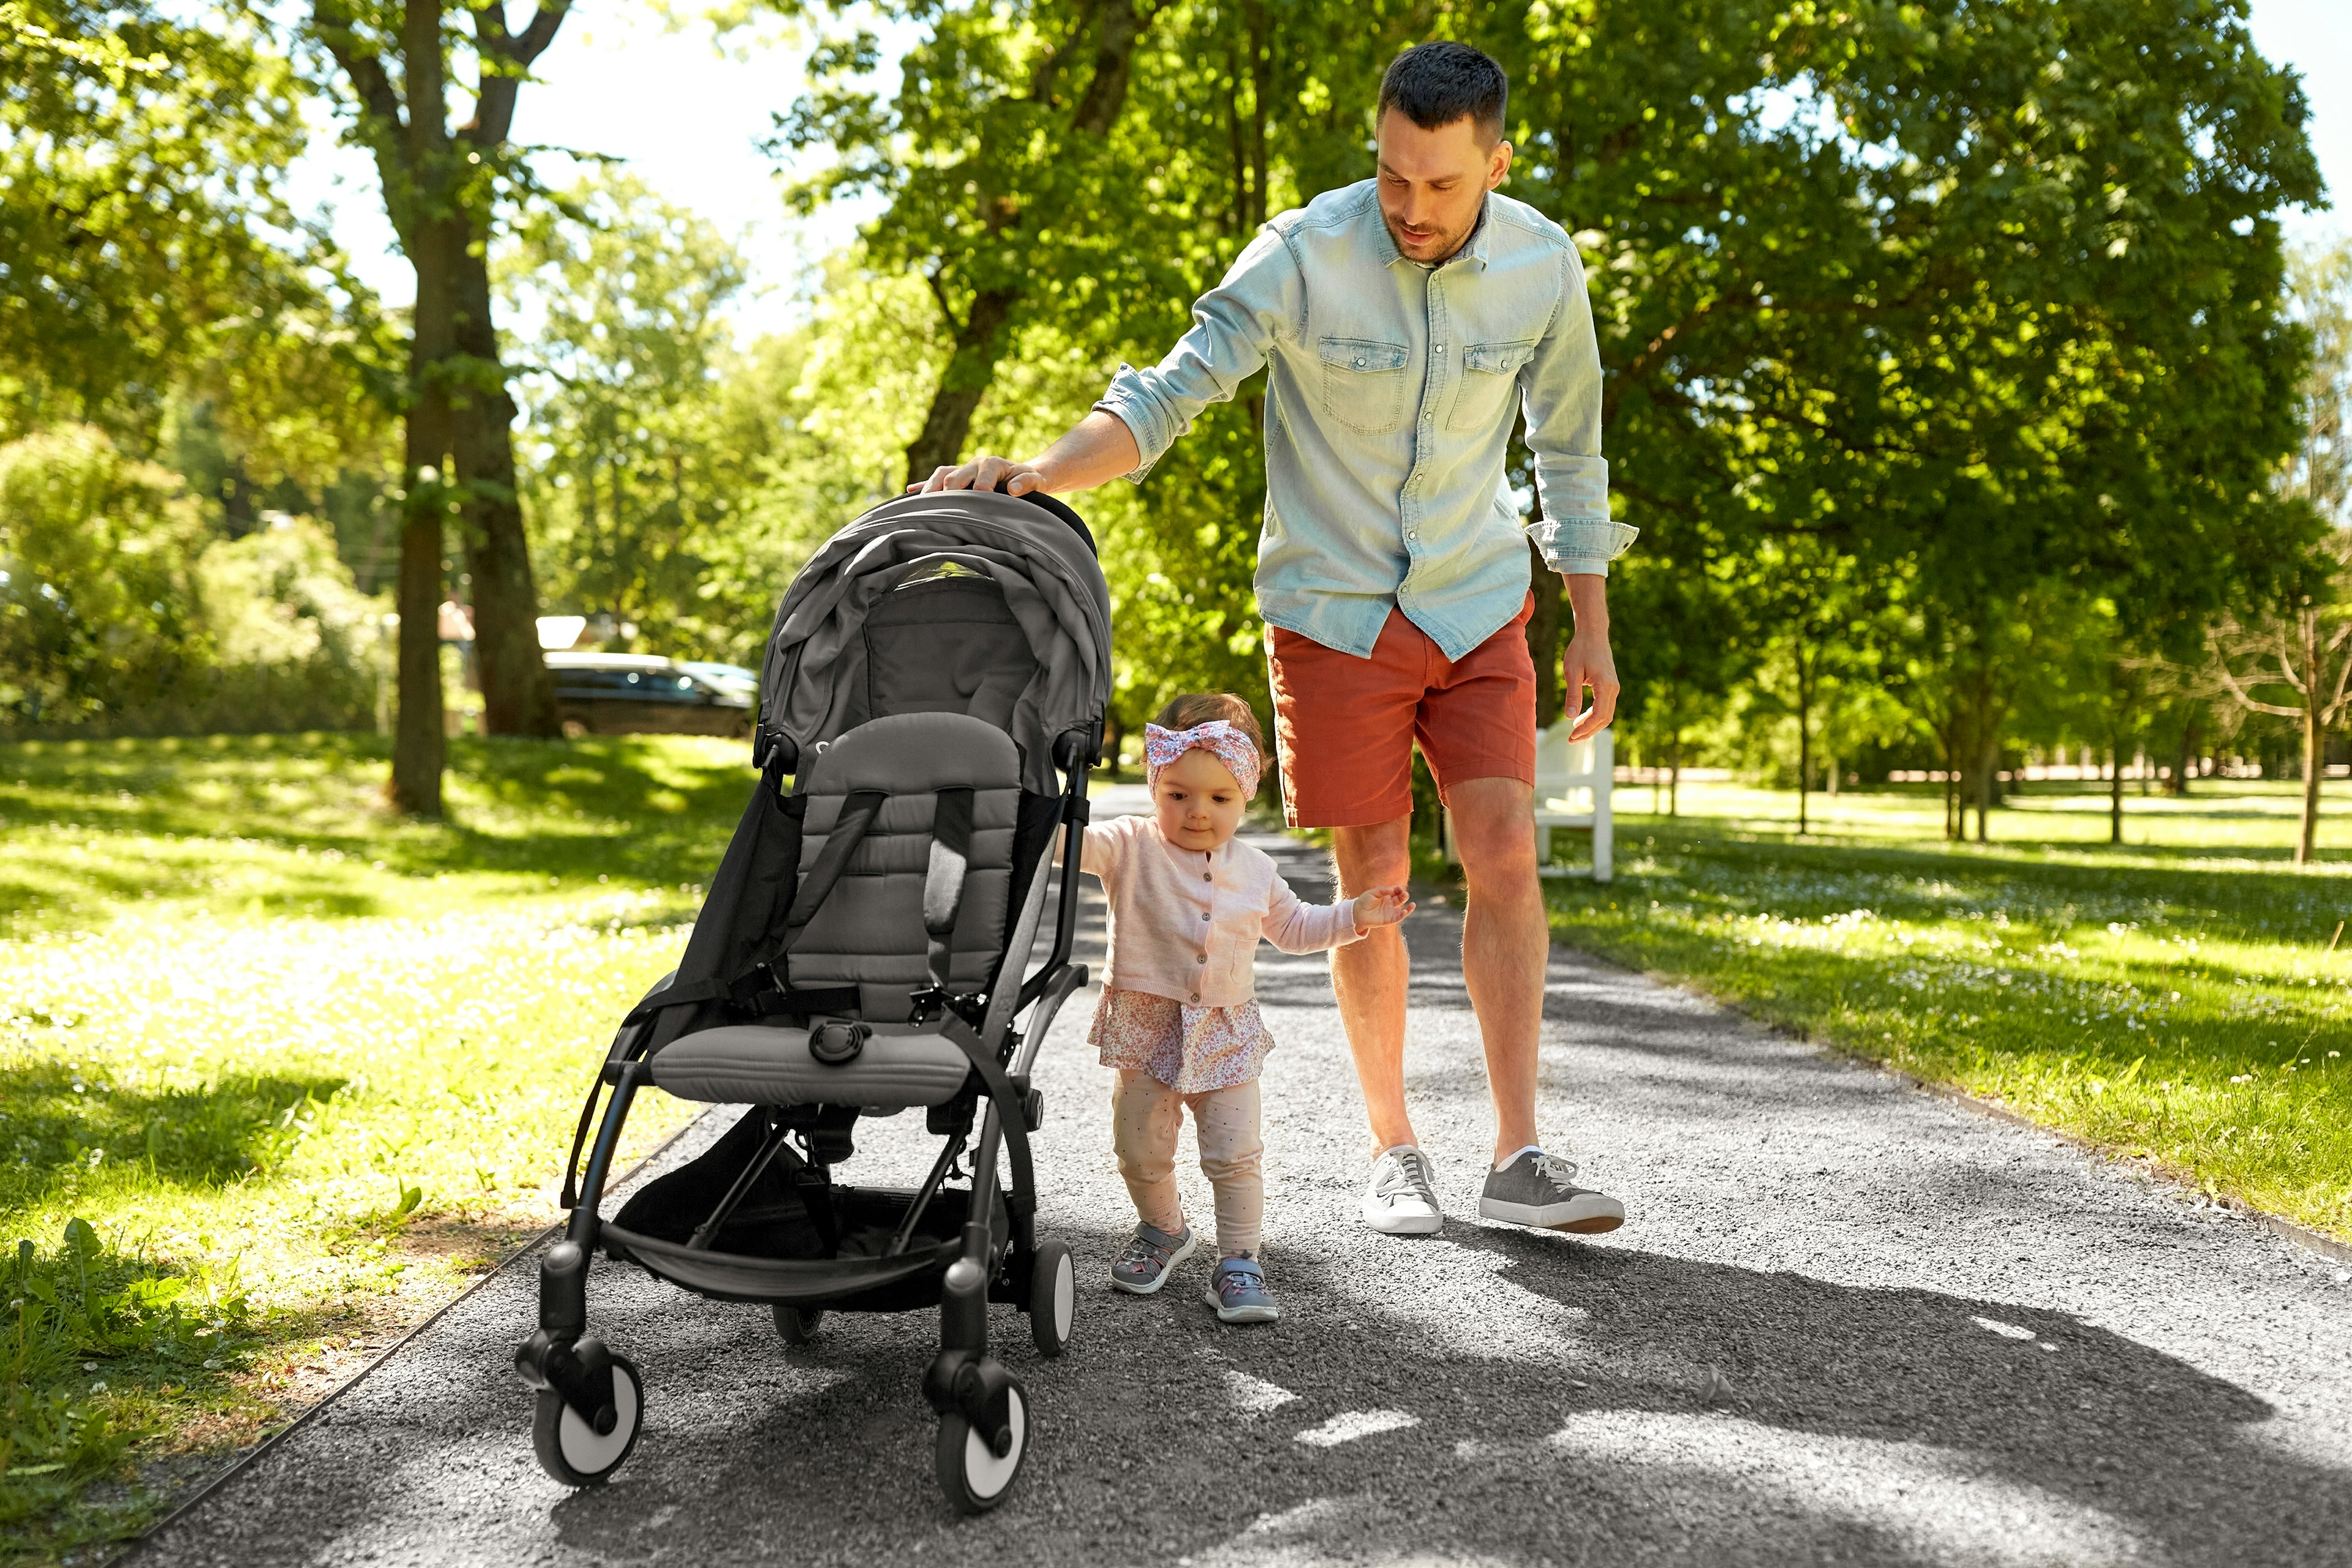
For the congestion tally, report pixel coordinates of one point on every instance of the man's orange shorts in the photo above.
(1346, 726)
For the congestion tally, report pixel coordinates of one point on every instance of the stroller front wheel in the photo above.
(798, 1325)
(974, 1474)
(1053, 1299)
(572, 1450)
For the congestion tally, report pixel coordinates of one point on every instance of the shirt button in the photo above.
(1204, 914)
(1204, 877)
(1199, 958)
(1441, 348)
(1360, 362)
(1196, 995)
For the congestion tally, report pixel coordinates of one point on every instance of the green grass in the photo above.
(2173, 999)
(278, 1072)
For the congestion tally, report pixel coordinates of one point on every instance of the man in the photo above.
(1405, 319)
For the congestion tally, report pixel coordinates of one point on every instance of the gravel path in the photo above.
(1845, 1321)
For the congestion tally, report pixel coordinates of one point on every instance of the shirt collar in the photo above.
(1474, 250)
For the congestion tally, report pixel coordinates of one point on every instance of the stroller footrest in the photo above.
(732, 1277)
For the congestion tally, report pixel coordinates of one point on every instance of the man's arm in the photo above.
(1561, 394)
(1587, 661)
(1145, 410)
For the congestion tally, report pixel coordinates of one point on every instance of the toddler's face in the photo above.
(1198, 800)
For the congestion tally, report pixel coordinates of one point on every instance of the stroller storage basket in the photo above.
(932, 699)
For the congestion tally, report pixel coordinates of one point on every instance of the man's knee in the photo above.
(1494, 827)
(1377, 855)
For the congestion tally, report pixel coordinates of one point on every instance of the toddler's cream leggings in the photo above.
(1144, 1116)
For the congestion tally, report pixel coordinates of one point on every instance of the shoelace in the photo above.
(1407, 1170)
(1558, 1172)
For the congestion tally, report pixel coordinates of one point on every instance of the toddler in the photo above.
(1178, 1019)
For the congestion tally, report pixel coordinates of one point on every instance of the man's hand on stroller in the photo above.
(1094, 451)
(984, 474)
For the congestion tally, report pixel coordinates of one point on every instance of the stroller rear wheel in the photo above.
(798, 1325)
(574, 1451)
(1053, 1299)
(971, 1472)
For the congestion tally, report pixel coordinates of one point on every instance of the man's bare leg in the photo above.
(1505, 939)
(1368, 977)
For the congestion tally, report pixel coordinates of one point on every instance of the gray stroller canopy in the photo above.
(1015, 628)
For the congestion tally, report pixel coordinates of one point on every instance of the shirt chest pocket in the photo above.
(1489, 372)
(1363, 384)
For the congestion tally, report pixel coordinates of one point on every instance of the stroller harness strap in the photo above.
(943, 878)
(859, 810)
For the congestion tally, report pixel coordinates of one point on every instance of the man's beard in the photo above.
(1449, 243)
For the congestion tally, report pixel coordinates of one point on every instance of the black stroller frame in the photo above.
(589, 1397)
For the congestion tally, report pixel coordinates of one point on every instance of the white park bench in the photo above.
(1573, 780)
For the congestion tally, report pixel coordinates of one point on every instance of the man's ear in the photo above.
(1498, 165)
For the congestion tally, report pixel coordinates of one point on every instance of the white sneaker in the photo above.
(1402, 1198)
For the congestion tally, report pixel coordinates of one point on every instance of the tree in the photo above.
(146, 248)
(2303, 647)
(99, 608)
(624, 375)
(440, 184)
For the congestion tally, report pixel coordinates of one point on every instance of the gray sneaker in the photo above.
(1151, 1253)
(1237, 1290)
(1401, 1199)
(1538, 1190)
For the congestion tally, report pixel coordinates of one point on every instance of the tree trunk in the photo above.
(1985, 786)
(2114, 794)
(1804, 745)
(979, 343)
(1543, 640)
(518, 693)
(2314, 739)
(2183, 756)
(419, 747)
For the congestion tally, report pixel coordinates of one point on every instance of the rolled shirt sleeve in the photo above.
(1233, 325)
(1560, 393)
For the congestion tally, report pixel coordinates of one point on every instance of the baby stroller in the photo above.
(933, 699)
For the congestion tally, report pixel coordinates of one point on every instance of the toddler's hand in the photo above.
(1382, 907)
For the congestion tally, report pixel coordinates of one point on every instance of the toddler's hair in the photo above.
(1200, 706)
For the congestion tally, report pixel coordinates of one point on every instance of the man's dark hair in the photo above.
(1436, 84)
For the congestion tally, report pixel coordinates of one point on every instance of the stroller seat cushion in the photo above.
(752, 1064)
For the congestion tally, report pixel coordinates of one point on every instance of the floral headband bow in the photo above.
(1218, 737)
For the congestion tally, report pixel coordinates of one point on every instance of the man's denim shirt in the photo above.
(1391, 393)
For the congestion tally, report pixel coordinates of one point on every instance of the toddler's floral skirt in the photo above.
(1192, 1050)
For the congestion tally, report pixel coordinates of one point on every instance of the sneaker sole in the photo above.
(1243, 1314)
(1591, 1215)
(1192, 1245)
(1383, 1218)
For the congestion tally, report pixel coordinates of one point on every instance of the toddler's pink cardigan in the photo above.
(1185, 925)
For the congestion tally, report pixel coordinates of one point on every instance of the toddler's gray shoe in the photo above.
(1401, 1199)
(1151, 1253)
(1538, 1190)
(1237, 1290)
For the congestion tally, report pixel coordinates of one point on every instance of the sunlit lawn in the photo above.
(297, 1069)
(2173, 999)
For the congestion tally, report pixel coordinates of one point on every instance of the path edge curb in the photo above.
(245, 1461)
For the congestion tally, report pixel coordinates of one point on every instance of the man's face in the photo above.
(1431, 182)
